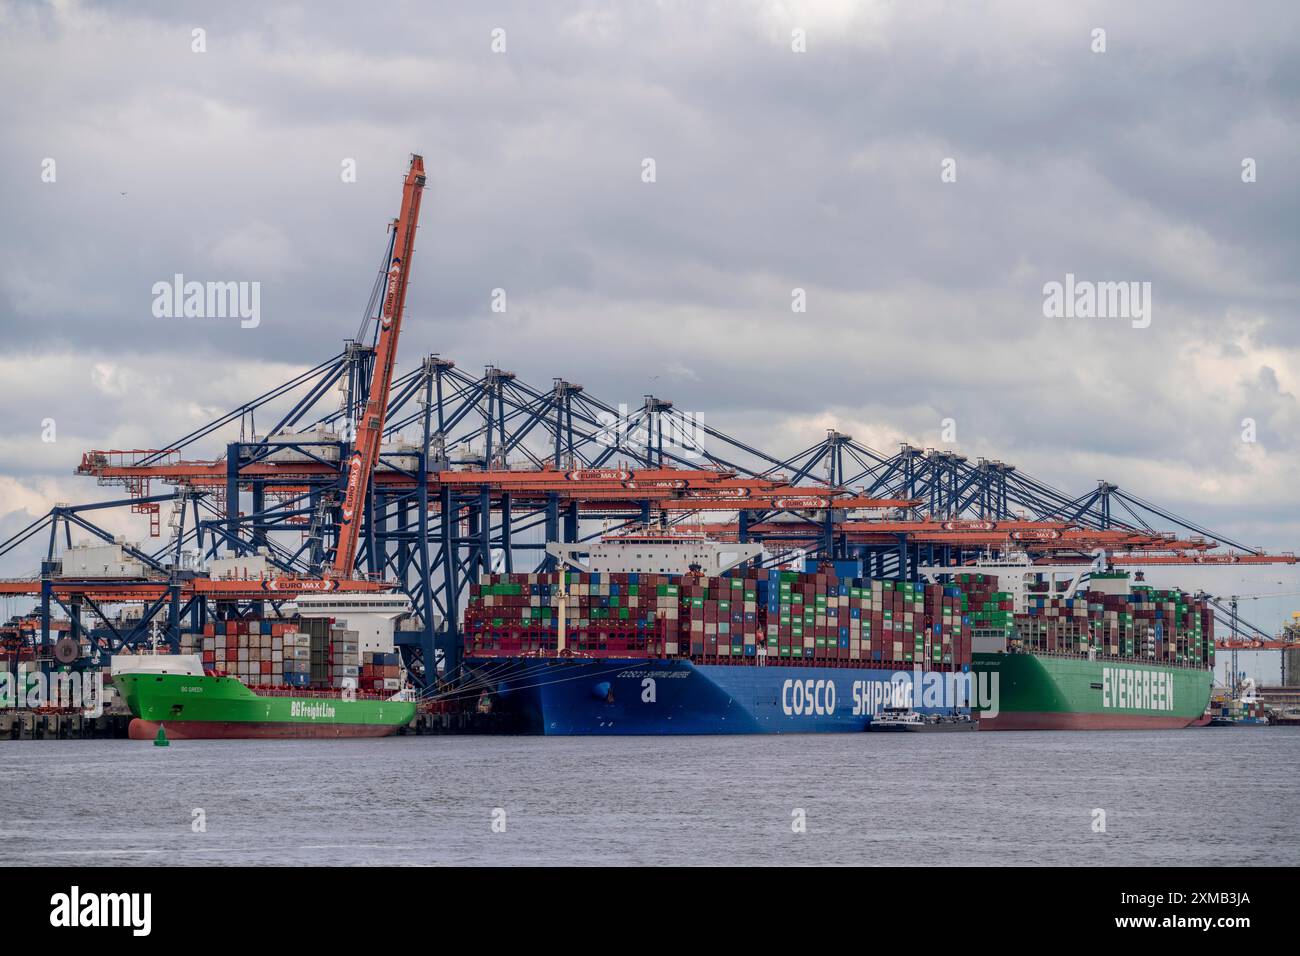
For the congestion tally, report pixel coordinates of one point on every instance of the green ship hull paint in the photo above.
(191, 707)
(1046, 692)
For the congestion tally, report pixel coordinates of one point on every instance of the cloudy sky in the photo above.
(775, 170)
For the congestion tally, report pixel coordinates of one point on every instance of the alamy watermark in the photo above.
(932, 690)
(1084, 299)
(75, 909)
(680, 433)
(208, 300)
(68, 690)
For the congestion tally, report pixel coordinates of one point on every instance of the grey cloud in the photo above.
(775, 170)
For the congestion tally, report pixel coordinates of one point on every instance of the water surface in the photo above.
(1195, 797)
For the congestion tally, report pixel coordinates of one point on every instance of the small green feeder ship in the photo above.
(173, 693)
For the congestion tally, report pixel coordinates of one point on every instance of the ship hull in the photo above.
(1046, 720)
(202, 707)
(1067, 693)
(250, 730)
(639, 696)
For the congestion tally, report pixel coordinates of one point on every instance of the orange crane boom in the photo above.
(370, 430)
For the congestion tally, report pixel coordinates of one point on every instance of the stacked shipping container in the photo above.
(1168, 626)
(380, 672)
(344, 657)
(252, 651)
(800, 618)
(821, 618)
(621, 614)
(297, 659)
(310, 653)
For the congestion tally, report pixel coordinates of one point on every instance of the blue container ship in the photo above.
(652, 639)
(679, 696)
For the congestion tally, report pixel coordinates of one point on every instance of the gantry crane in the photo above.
(503, 467)
(1257, 640)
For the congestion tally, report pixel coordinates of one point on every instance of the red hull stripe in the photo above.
(236, 730)
(1042, 720)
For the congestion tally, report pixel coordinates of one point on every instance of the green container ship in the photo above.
(1045, 692)
(1086, 648)
(188, 704)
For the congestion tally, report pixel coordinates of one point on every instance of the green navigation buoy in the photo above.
(161, 740)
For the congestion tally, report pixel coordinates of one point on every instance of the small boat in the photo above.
(1290, 717)
(1244, 709)
(906, 720)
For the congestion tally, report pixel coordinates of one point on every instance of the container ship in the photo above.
(1242, 707)
(188, 706)
(663, 634)
(260, 679)
(1089, 650)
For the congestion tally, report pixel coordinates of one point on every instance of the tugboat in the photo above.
(906, 720)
